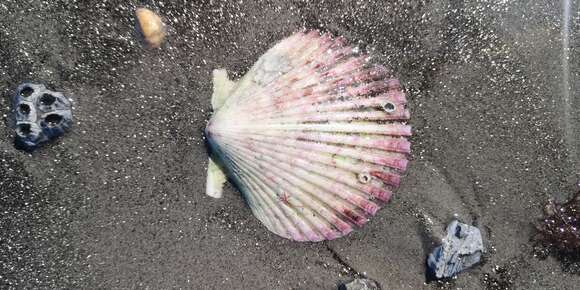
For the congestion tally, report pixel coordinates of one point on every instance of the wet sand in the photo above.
(119, 202)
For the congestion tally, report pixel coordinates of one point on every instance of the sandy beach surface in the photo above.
(119, 203)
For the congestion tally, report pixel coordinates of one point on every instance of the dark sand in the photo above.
(119, 202)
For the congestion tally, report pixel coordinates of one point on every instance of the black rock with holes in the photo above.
(41, 115)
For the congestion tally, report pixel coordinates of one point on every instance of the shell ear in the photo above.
(222, 86)
(215, 180)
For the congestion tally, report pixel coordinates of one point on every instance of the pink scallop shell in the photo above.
(314, 135)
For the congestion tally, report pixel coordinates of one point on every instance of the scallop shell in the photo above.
(314, 136)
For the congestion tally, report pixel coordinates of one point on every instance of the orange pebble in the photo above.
(151, 27)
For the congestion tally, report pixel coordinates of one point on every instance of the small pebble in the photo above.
(151, 27)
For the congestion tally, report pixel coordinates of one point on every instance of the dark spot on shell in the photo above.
(352, 216)
(389, 107)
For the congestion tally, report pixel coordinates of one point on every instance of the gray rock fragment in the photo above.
(360, 284)
(461, 249)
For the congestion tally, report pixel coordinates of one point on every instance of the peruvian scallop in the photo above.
(314, 136)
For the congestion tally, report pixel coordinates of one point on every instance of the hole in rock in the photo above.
(26, 92)
(53, 120)
(47, 99)
(24, 109)
(24, 129)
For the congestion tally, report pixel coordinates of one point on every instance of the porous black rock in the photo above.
(40, 114)
(461, 249)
